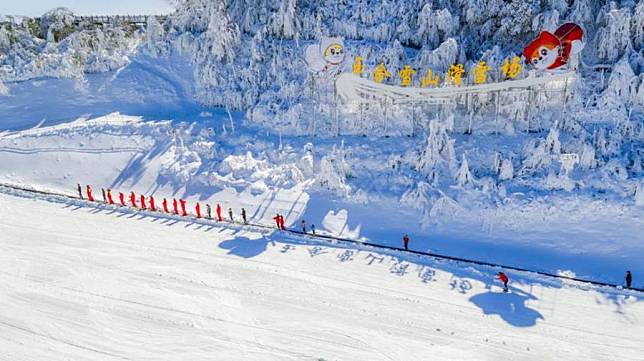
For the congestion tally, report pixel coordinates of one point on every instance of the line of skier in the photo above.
(179, 208)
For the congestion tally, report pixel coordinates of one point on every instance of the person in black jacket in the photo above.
(629, 279)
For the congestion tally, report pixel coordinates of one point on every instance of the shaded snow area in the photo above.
(83, 283)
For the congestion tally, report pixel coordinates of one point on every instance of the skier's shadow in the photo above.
(510, 306)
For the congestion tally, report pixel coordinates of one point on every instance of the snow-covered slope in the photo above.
(79, 283)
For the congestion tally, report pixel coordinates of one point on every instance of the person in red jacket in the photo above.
(502, 276)
(219, 213)
(282, 227)
(165, 205)
(277, 219)
(406, 242)
(183, 207)
(198, 210)
(133, 199)
(109, 196)
(89, 193)
(143, 202)
(175, 206)
(152, 207)
(122, 198)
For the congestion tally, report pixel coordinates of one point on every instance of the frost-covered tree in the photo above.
(621, 90)
(57, 24)
(438, 152)
(285, 22)
(506, 170)
(587, 159)
(4, 90)
(434, 26)
(552, 144)
(639, 194)
(614, 38)
(463, 175)
(5, 39)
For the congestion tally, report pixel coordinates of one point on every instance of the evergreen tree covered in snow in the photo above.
(438, 154)
(463, 175)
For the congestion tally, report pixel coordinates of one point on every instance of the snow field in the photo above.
(88, 284)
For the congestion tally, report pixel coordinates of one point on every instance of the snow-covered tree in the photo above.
(614, 38)
(285, 22)
(552, 144)
(4, 90)
(639, 194)
(506, 170)
(587, 159)
(438, 151)
(463, 175)
(434, 26)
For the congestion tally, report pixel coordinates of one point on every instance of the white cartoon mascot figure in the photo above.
(325, 58)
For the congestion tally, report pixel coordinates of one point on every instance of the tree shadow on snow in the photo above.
(245, 247)
(511, 306)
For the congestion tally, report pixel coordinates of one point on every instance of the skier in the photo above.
(501, 276)
(165, 205)
(277, 221)
(313, 229)
(282, 223)
(109, 196)
(219, 213)
(230, 214)
(198, 210)
(80, 191)
(183, 207)
(208, 211)
(90, 197)
(133, 199)
(303, 226)
(406, 242)
(174, 206)
(152, 207)
(244, 216)
(143, 202)
(628, 279)
(122, 198)
(104, 198)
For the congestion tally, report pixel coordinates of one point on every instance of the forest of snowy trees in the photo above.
(248, 55)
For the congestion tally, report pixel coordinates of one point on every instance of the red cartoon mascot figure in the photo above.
(551, 51)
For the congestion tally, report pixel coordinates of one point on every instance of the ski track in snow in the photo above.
(83, 284)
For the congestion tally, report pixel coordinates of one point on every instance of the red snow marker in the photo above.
(89, 194)
(109, 196)
(219, 213)
(143, 202)
(152, 207)
(165, 205)
(183, 207)
(198, 210)
(133, 199)
(122, 198)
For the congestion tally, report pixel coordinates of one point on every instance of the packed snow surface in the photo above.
(90, 284)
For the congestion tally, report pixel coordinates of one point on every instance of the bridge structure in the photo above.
(97, 20)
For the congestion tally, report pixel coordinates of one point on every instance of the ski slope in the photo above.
(88, 284)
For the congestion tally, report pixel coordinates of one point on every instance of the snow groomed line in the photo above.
(317, 237)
